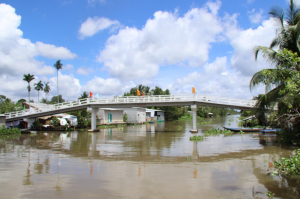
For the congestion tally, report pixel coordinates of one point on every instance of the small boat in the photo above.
(25, 131)
(244, 129)
(269, 131)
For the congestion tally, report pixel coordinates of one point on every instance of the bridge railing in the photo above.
(132, 99)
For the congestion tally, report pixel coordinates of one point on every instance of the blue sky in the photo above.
(109, 46)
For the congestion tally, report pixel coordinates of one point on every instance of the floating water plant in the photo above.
(216, 132)
(289, 166)
(270, 194)
(197, 138)
(5, 131)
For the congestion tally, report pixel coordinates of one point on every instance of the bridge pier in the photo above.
(194, 111)
(29, 121)
(93, 119)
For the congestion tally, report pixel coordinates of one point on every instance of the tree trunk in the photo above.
(57, 88)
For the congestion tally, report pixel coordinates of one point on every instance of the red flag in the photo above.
(91, 94)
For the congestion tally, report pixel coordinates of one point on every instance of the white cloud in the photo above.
(53, 52)
(214, 80)
(84, 70)
(164, 40)
(69, 67)
(243, 42)
(255, 17)
(102, 86)
(92, 2)
(69, 86)
(16, 53)
(93, 25)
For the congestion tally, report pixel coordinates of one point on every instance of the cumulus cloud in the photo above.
(243, 42)
(255, 17)
(93, 25)
(85, 70)
(102, 86)
(167, 39)
(69, 86)
(53, 52)
(215, 80)
(17, 55)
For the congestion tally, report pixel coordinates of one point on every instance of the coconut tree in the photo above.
(287, 37)
(28, 78)
(39, 87)
(47, 89)
(58, 65)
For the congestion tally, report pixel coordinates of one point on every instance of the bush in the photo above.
(125, 117)
(5, 131)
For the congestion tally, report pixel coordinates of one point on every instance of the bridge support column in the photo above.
(93, 119)
(29, 121)
(194, 111)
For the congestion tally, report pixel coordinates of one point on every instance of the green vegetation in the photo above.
(289, 166)
(83, 117)
(125, 117)
(6, 105)
(39, 87)
(270, 194)
(5, 131)
(55, 122)
(197, 138)
(282, 80)
(107, 126)
(215, 132)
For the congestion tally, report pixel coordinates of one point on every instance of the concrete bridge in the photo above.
(128, 102)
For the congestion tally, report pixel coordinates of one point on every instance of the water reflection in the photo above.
(150, 158)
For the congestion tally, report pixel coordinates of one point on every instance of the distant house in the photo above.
(109, 115)
(155, 115)
(135, 114)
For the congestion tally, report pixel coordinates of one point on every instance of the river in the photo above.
(143, 161)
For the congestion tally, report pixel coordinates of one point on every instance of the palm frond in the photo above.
(268, 53)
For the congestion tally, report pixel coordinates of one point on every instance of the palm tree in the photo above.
(287, 38)
(28, 78)
(39, 86)
(58, 66)
(47, 89)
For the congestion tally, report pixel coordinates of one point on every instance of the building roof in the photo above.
(149, 110)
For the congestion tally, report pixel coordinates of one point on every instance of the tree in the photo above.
(28, 78)
(54, 99)
(39, 86)
(6, 105)
(47, 89)
(58, 65)
(287, 41)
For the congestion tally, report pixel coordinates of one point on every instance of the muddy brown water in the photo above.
(143, 161)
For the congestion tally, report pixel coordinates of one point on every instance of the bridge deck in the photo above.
(131, 101)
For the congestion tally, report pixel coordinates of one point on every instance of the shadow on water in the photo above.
(234, 165)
